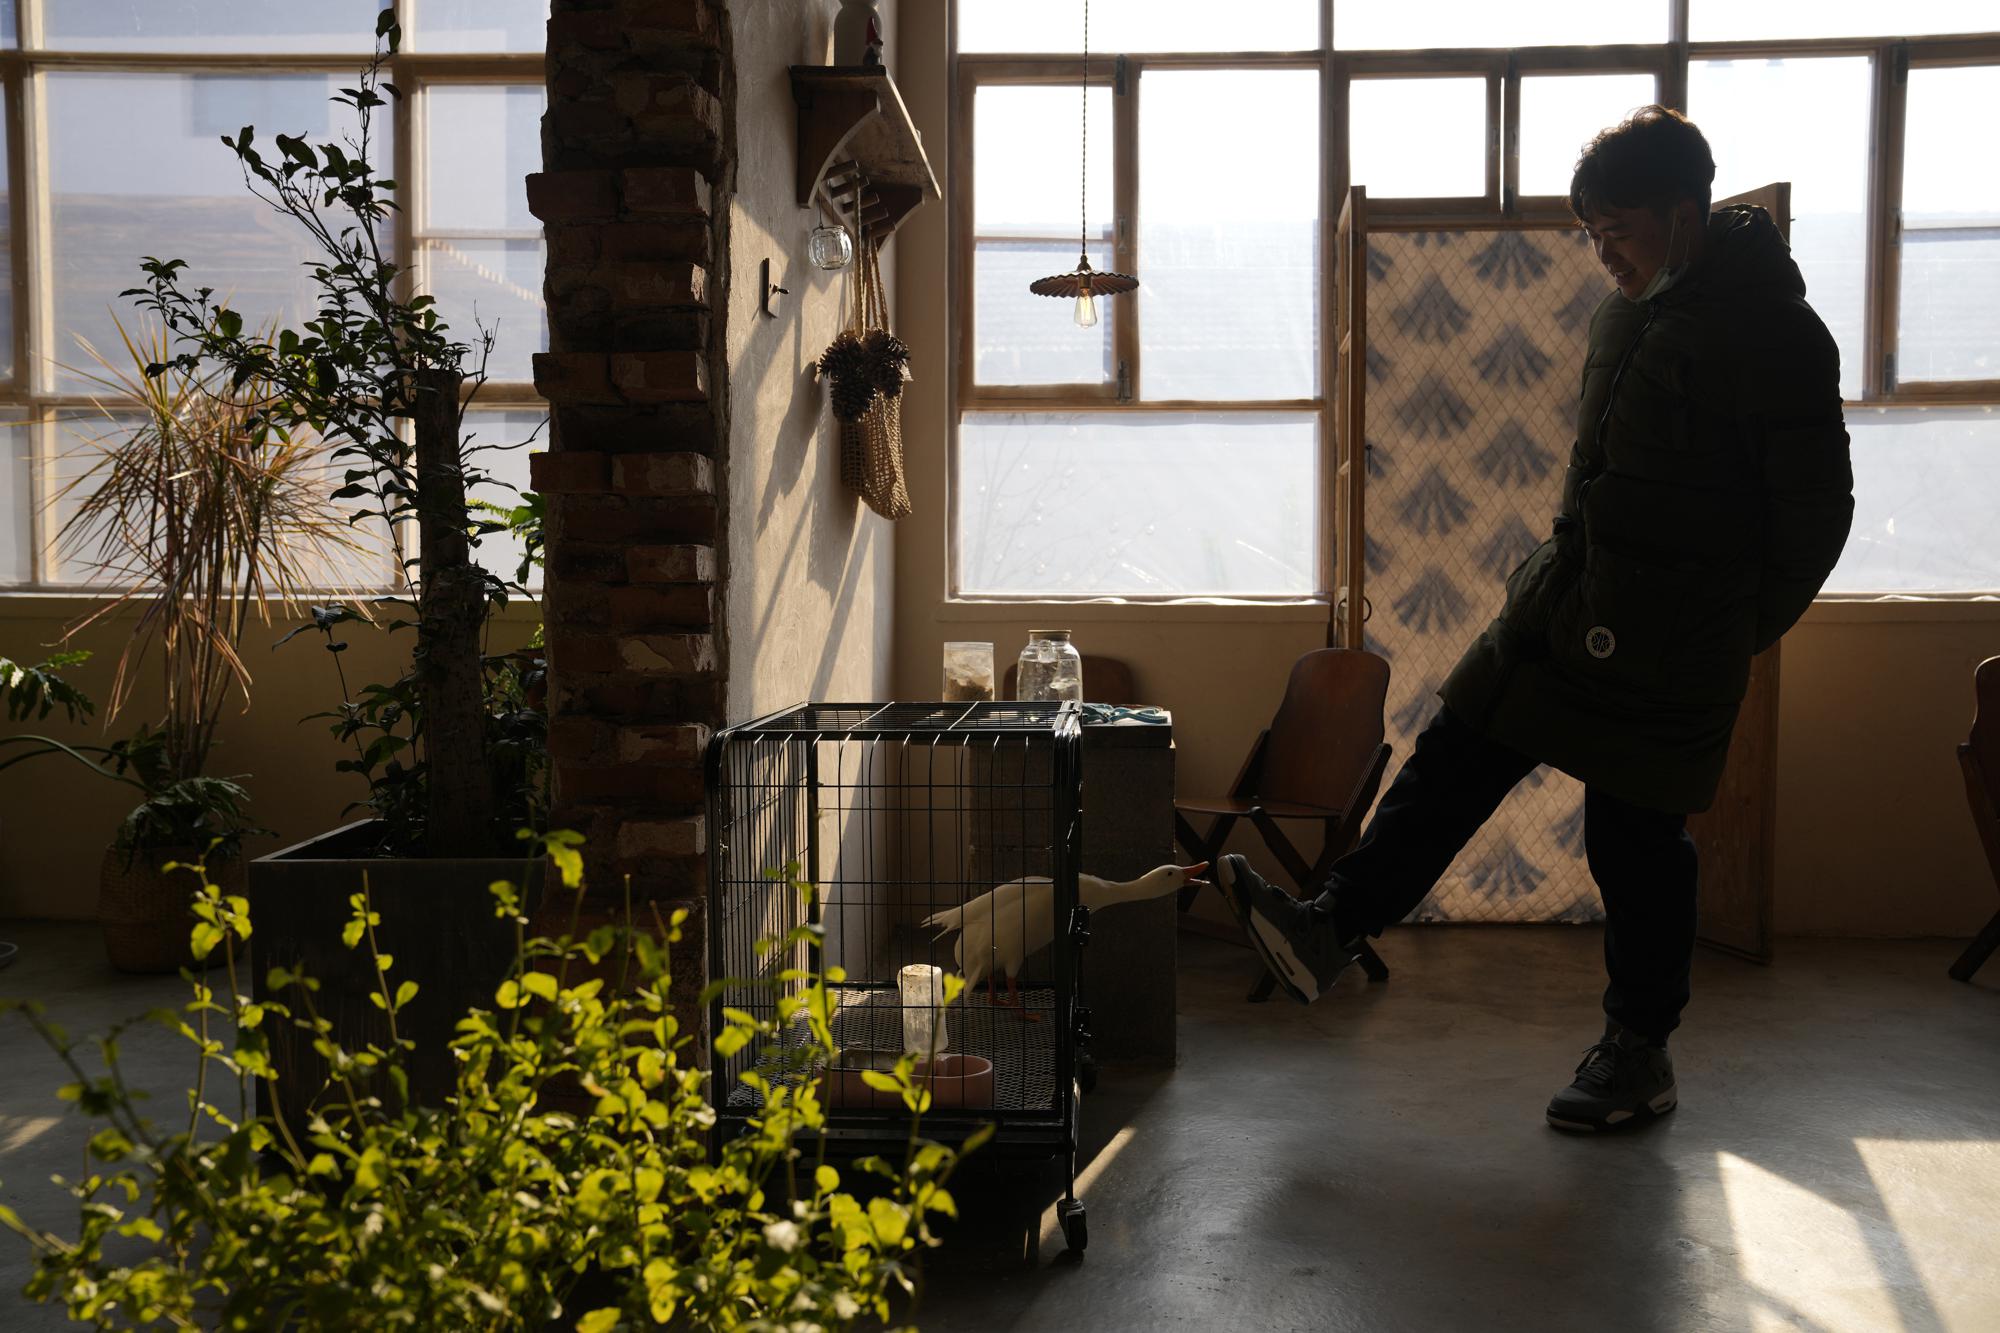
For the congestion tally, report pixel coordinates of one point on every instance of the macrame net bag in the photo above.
(868, 365)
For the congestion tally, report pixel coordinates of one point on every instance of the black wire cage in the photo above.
(938, 836)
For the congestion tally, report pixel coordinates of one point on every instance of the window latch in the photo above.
(1124, 381)
(1118, 78)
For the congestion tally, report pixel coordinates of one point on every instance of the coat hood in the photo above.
(1745, 251)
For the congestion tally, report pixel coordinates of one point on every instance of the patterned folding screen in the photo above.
(1475, 361)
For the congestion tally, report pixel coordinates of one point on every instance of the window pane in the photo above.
(135, 169)
(1025, 145)
(481, 249)
(480, 25)
(209, 25)
(1137, 504)
(17, 469)
(500, 445)
(1924, 482)
(1026, 215)
(1022, 338)
(83, 436)
(494, 286)
(1803, 121)
(1418, 137)
(1387, 25)
(481, 141)
(1561, 113)
(1230, 277)
(1950, 317)
(7, 368)
(1731, 20)
(1137, 26)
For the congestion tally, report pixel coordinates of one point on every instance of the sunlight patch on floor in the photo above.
(1807, 1258)
(1944, 1199)
(19, 1131)
(1051, 1229)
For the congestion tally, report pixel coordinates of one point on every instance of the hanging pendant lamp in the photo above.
(1085, 284)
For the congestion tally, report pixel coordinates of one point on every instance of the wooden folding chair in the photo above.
(1980, 758)
(1106, 680)
(1322, 759)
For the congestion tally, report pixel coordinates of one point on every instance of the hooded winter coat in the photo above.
(1707, 498)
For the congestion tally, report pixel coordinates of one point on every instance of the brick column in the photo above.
(636, 167)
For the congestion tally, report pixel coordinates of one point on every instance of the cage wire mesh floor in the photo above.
(1023, 1051)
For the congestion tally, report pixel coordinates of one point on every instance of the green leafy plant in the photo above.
(33, 692)
(378, 375)
(570, 1178)
(173, 811)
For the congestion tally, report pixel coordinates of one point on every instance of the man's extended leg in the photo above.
(1452, 782)
(1644, 864)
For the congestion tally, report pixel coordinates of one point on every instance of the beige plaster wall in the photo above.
(56, 819)
(1873, 834)
(810, 570)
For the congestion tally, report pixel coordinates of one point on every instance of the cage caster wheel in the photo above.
(1086, 1073)
(1076, 1231)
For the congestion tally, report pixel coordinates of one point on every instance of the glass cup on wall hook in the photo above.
(830, 247)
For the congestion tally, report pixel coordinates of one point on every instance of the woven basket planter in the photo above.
(147, 913)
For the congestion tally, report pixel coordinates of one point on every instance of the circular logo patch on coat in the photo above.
(1600, 641)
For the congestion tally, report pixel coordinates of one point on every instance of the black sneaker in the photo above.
(1622, 1078)
(1295, 939)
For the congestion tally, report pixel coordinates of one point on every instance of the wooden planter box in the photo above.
(437, 923)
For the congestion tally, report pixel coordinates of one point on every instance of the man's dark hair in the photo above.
(1653, 159)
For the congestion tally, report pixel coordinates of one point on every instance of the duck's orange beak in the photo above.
(1194, 872)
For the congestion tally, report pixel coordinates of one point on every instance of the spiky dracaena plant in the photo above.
(195, 523)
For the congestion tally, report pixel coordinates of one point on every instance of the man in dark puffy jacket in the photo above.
(1707, 497)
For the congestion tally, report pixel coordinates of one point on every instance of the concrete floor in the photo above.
(1379, 1160)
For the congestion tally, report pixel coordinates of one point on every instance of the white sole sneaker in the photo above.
(1271, 943)
(1657, 1107)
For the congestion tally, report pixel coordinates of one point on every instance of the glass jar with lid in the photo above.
(1050, 669)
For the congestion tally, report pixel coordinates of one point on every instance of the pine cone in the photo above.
(887, 359)
(846, 365)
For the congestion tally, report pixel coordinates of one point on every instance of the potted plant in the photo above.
(514, 1205)
(449, 750)
(197, 528)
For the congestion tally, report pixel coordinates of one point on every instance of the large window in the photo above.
(112, 152)
(1170, 450)
(1178, 448)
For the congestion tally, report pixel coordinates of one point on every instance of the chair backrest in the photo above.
(1327, 730)
(1984, 742)
(1980, 757)
(1106, 680)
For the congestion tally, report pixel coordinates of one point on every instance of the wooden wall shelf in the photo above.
(855, 133)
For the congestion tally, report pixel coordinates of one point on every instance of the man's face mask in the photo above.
(1669, 272)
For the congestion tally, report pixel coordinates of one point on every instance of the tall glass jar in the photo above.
(1051, 669)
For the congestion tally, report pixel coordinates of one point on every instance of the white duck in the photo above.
(1000, 928)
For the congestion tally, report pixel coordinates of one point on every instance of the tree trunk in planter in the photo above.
(437, 923)
(147, 913)
(451, 610)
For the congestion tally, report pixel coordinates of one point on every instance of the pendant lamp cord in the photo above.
(1083, 185)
